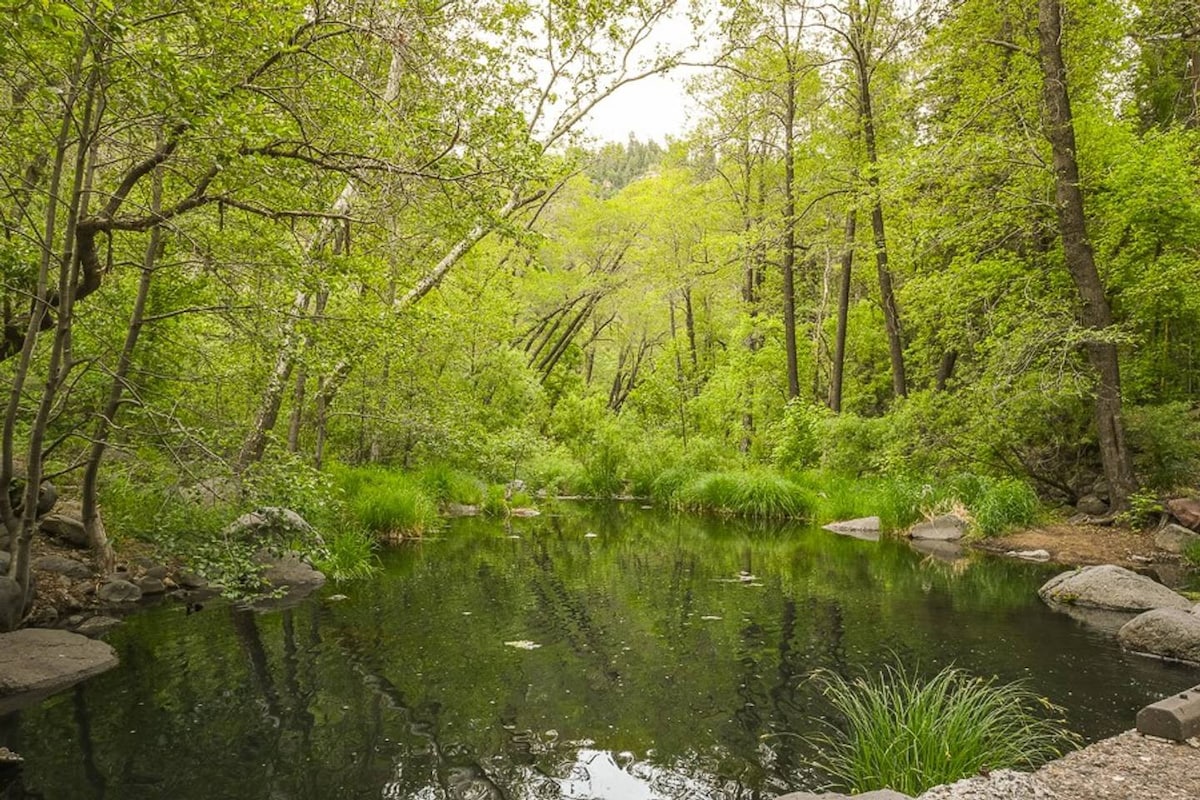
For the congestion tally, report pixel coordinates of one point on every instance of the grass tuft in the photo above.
(750, 493)
(907, 734)
(350, 556)
(388, 504)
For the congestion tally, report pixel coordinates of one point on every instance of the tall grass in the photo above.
(389, 504)
(445, 484)
(902, 733)
(1005, 505)
(748, 493)
(349, 555)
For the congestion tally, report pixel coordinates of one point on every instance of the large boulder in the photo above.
(119, 591)
(290, 571)
(1092, 506)
(946, 528)
(270, 520)
(1110, 587)
(1186, 510)
(66, 524)
(1175, 538)
(866, 528)
(1165, 632)
(40, 660)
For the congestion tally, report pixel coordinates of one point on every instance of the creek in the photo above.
(608, 652)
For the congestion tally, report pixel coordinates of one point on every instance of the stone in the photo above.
(156, 571)
(865, 528)
(1164, 632)
(119, 591)
(291, 571)
(512, 487)
(66, 524)
(1092, 505)
(946, 528)
(12, 604)
(41, 660)
(878, 794)
(524, 512)
(1176, 717)
(461, 510)
(1001, 784)
(1186, 510)
(63, 566)
(1110, 587)
(1030, 555)
(5, 561)
(268, 520)
(1100, 489)
(190, 580)
(150, 585)
(97, 626)
(1174, 538)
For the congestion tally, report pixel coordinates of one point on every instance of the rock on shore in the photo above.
(1110, 587)
(37, 660)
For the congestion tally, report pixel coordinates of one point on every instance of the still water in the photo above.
(611, 652)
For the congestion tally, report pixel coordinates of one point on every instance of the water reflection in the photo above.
(671, 663)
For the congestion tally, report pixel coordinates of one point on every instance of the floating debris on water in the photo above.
(590, 535)
(337, 598)
(710, 617)
(523, 644)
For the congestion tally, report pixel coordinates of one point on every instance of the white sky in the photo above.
(650, 109)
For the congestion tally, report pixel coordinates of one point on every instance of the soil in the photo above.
(1080, 545)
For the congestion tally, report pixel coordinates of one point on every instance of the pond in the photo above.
(609, 652)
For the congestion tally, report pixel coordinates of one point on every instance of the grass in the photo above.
(747, 493)
(445, 484)
(349, 555)
(388, 504)
(1005, 505)
(907, 734)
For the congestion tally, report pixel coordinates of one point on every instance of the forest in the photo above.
(359, 258)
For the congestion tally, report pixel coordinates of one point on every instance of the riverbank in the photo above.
(1080, 545)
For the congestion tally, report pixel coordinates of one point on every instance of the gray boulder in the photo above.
(1175, 538)
(461, 510)
(268, 520)
(946, 528)
(40, 660)
(1163, 632)
(119, 591)
(63, 566)
(66, 524)
(96, 626)
(150, 585)
(1092, 505)
(1002, 784)
(290, 571)
(866, 528)
(1110, 587)
(5, 561)
(190, 580)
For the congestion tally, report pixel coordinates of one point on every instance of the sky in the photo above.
(652, 108)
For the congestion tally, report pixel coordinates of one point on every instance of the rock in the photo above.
(1092, 505)
(150, 585)
(1165, 632)
(1110, 587)
(190, 580)
(461, 510)
(9, 757)
(290, 571)
(5, 561)
(1186, 510)
(1175, 538)
(945, 528)
(866, 528)
(512, 487)
(63, 566)
(40, 660)
(1176, 718)
(524, 512)
(156, 571)
(878, 794)
(1100, 489)
(1030, 555)
(268, 520)
(97, 626)
(12, 604)
(66, 524)
(1002, 784)
(119, 591)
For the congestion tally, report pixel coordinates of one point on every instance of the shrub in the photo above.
(556, 471)
(751, 493)
(906, 734)
(1007, 504)
(797, 436)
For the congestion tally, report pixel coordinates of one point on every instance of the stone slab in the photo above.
(39, 660)
(1176, 717)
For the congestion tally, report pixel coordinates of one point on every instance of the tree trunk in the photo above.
(843, 315)
(789, 239)
(1095, 311)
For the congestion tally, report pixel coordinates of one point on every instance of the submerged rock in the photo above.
(1110, 587)
(943, 551)
(97, 626)
(40, 660)
(946, 528)
(1164, 632)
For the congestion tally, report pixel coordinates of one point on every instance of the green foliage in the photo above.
(1191, 554)
(555, 470)
(445, 484)
(898, 731)
(1004, 505)
(798, 436)
(349, 555)
(1145, 508)
(1166, 443)
(389, 504)
(495, 501)
(749, 493)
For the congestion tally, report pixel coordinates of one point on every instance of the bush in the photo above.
(905, 734)
(751, 493)
(556, 471)
(1007, 504)
(797, 437)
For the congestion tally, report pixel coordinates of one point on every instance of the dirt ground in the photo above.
(1083, 544)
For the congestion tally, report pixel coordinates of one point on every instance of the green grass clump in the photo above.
(349, 556)
(390, 504)
(447, 485)
(749, 493)
(495, 501)
(902, 733)
(1005, 505)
